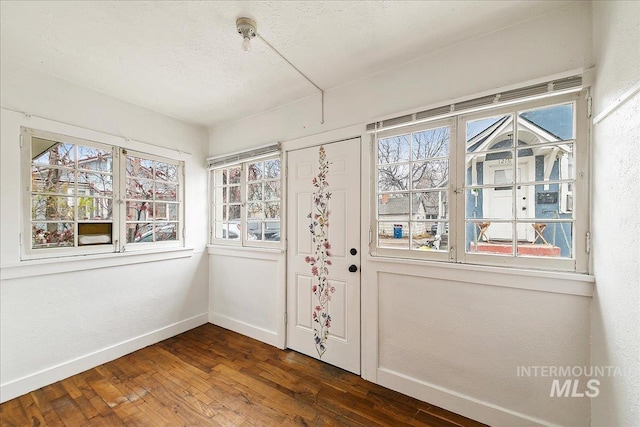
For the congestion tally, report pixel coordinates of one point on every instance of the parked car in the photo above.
(271, 230)
(165, 232)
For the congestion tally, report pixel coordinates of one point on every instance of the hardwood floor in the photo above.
(210, 376)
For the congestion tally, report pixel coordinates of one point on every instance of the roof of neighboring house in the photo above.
(396, 206)
(559, 121)
(399, 206)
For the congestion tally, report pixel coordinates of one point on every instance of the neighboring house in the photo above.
(537, 163)
(395, 210)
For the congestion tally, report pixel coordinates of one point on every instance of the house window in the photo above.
(413, 189)
(75, 188)
(246, 202)
(502, 186)
(152, 191)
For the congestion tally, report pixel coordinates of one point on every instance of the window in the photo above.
(87, 197)
(247, 202)
(152, 199)
(413, 189)
(503, 186)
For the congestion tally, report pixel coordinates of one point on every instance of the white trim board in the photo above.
(15, 388)
(246, 329)
(464, 405)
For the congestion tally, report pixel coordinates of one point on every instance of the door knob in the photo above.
(353, 251)
(353, 268)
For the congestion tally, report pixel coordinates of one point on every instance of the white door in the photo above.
(499, 202)
(323, 233)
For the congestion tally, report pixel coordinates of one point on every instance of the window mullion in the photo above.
(244, 172)
(119, 174)
(457, 196)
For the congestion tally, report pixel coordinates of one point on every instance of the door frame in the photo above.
(363, 222)
(368, 318)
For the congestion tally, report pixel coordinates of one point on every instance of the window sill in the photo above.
(225, 249)
(517, 278)
(42, 267)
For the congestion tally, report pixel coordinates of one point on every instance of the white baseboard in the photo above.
(235, 325)
(459, 403)
(15, 388)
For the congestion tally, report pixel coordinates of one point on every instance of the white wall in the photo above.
(247, 292)
(616, 203)
(540, 47)
(61, 318)
(452, 335)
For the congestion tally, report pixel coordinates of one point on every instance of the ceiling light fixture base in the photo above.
(246, 27)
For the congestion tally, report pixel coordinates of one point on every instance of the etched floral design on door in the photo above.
(320, 261)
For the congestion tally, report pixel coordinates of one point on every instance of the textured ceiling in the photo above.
(183, 59)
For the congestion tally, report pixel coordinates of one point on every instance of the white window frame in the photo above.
(457, 253)
(180, 228)
(243, 240)
(408, 253)
(118, 232)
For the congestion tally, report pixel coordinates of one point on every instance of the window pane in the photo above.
(254, 230)
(552, 240)
(166, 192)
(139, 167)
(272, 210)
(234, 194)
(394, 149)
(95, 184)
(51, 207)
(393, 235)
(233, 229)
(430, 174)
(254, 192)
(139, 232)
(255, 210)
(272, 231)
(489, 237)
(234, 212)
(546, 124)
(138, 211)
(220, 177)
(393, 207)
(272, 169)
(489, 133)
(272, 190)
(49, 152)
(166, 172)
(165, 231)
(139, 189)
(430, 143)
(53, 234)
(220, 230)
(547, 163)
(426, 237)
(94, 208)
(52, 180)
(480, 168)
(255, 171)
(393, 177)
(541, 202)
(166, 211)
(234, 175)
(95, 159)
(430, 205)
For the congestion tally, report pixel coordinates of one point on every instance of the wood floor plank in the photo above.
(210, 376)
(31, 410)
